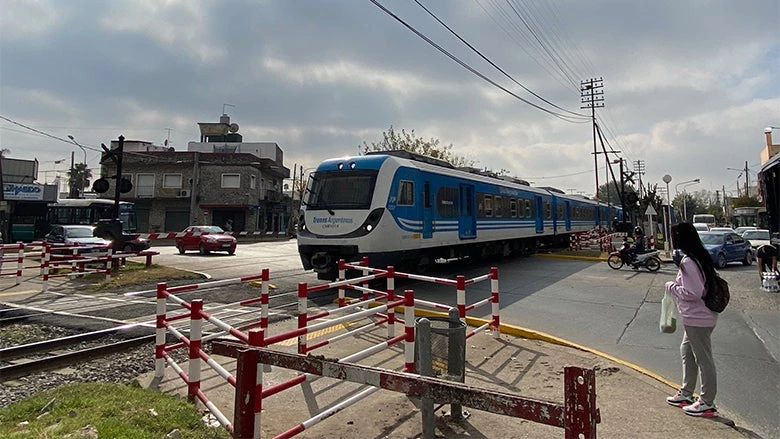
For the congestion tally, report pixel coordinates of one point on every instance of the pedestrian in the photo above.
(766, 259)
(689, 287)
(229, 225)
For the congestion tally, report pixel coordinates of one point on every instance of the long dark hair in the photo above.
(686, 238)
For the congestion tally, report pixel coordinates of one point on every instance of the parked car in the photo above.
(756, 238)
(206, 239)
(741, 230)
(722, 229)
(73, 235)
(725, 247)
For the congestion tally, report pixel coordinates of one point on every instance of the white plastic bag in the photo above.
(667, 324)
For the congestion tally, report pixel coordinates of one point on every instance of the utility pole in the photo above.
(639, 168)
(591, 98)
(747, 190)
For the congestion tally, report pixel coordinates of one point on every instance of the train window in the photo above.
(528, 211)
(488, 205)
(427, 194)
(513, 208)
(447, 202)
(498, 210)
(560, 211)
(547, 210)
(352, 190)
(406, 193)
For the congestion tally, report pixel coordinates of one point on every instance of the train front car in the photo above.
(341, 209)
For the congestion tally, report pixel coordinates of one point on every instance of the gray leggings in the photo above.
(696, 353)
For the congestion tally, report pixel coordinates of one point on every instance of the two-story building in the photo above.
(218, 179)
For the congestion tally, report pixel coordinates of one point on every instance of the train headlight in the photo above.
(301, 221)
(373, 219)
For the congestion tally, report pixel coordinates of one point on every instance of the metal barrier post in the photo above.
(579, 411)
(159, 340)
(390, 299)
(264, 299)
(196, 329)
(456, 357)
(365, 272)
(425, 368)
(494, 301)
(249, 386)
(302, 312)
(461, 295)
(342, 276)
(409, 330)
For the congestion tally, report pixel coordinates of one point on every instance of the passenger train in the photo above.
(408, 210)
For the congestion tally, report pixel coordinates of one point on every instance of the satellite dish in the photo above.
(233, 127)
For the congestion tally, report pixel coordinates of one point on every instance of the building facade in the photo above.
(215, 182)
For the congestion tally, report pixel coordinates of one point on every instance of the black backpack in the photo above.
(717, 296)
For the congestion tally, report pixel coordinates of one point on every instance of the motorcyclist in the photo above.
(638, 247)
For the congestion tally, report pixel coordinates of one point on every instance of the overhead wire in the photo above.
(463, 64)
(470, 46)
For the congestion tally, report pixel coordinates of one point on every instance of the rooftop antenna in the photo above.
(226, 105)
(168, 138)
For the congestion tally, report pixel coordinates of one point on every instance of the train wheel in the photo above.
(653, 264)
(615, 262)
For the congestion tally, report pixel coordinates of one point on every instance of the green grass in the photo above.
(115, 410)
(134, 273)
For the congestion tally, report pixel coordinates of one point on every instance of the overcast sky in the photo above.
(689, 86)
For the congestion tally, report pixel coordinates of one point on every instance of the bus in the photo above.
(89, 211)
(749, 216)
(706, 219)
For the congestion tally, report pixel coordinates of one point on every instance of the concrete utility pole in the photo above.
(591, 98)
(639, 168)
(747, 188)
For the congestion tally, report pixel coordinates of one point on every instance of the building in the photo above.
(218, 180)
(23, 203)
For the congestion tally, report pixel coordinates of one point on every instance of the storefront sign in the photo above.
(22, 191)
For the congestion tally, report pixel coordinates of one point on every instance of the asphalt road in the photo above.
(587, 303)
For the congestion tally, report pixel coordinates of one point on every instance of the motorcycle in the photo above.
(649, 260)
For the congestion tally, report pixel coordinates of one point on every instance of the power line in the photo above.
(471, 69)
(492, 63)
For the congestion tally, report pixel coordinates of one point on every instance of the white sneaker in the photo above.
(701, 408)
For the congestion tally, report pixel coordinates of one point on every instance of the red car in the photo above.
(206, 239)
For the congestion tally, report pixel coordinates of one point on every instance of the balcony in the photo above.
(272, 196)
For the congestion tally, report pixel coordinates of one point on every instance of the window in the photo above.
(406, 193)
(253, 182)
(488, 205)
(528, 211)
(513, 208)
(145, 186)
(341, 190)
(172, 181)
(498, 205)
(231, 181)
(447, 202)
(547, 210)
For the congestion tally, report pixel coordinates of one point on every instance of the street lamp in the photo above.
(685, 201)
(84, 171)
(667, 216)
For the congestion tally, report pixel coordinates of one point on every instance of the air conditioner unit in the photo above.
(184, 193)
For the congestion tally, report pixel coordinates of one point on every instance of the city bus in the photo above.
(749, 216)
(706, 219)
(88, 211)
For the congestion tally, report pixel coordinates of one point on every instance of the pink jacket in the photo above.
(688, 289)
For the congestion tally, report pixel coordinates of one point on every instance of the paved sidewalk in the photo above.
(631, 403)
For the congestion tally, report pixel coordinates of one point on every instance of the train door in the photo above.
(539, 214)
(567, 214)
(467, 216)
(427, 211)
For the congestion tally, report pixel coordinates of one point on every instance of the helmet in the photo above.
(638, 230)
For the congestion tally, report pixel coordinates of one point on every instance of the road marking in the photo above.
(316, 334)
(14, 293)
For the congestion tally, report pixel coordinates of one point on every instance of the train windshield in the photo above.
(341, 190)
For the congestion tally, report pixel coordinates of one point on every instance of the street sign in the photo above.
(650, 211)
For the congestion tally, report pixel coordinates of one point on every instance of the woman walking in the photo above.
(690, 286)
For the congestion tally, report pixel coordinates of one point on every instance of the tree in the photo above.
(747, 202)
(76, 175)
(4, 152)
(408, 141)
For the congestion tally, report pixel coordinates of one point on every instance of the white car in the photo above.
(701, 227)
(722, 229)
(740, 230)
(756, 238)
